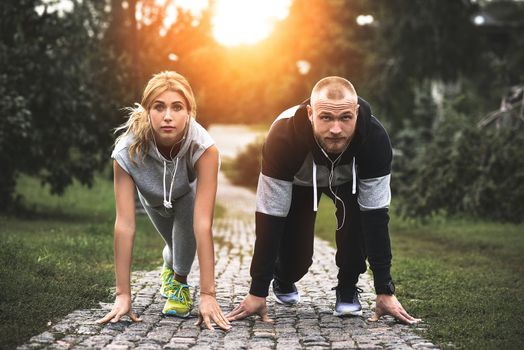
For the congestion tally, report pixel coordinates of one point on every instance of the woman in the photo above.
(173, 163)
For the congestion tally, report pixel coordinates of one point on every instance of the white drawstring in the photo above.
(167, 203)
(354, 188)
(315, 197)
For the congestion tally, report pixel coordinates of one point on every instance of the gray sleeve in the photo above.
(273, 196)
(122, 160)
(374, 193)
(204, 141)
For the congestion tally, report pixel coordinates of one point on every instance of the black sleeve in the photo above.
(268, 234)
(374, 172)
(274, 193)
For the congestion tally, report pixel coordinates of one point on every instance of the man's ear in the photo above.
(309, 113)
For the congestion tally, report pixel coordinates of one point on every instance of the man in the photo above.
(330, 144)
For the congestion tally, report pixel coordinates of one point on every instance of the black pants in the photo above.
(295, 255)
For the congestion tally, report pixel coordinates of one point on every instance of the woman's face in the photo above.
(169, 116)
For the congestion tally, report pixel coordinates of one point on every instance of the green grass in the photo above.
(56, 255)
(464, 278)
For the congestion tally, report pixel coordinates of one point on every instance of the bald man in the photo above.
(330, 144)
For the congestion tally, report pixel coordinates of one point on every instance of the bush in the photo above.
(462, 170)
(245, 168)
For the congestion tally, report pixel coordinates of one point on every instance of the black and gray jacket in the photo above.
(291, 156)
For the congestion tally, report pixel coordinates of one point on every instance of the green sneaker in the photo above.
(178, 301)
(166, 278)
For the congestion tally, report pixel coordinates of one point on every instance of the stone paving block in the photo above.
(345, 344)
(147, 344)
(45, 338)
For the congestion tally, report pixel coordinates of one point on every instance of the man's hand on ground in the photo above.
(389, 305)
(250, 306)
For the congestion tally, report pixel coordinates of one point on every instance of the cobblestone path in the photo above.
(308, 325)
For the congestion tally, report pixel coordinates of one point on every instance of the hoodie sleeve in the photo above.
(273, 201)
(374, 172)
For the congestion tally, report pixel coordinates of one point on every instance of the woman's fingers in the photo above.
(207, 322)
(134, 317)
(220, 320)
(223, 317)
(115, 316)
(107, 317)
(199, 321)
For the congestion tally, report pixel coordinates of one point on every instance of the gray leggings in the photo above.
(177, 231)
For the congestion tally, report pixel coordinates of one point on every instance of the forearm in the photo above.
(378, 246)
(269, 231)
(206, 259)
(123, 245)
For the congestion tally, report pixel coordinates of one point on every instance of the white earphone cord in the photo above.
(330, 180)
(167, 203)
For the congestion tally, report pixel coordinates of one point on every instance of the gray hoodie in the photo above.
(158, 179)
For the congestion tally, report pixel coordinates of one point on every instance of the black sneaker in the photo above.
(285, 293)
(347, 301)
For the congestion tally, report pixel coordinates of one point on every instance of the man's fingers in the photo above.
(403, 318)
(242, 315)
(400, 314)
(377, 314)
(409, 317)
(231, 315)
(265, 318)
(374, 318)
(199, 321)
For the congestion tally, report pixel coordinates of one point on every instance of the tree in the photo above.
(54, 127)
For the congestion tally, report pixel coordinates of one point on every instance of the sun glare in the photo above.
(237, 22)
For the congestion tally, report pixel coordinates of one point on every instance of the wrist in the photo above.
(256, 297)
(209, 293)
(385, 289)
(122, 291)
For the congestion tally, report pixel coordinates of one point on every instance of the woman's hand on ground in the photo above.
(209, 311)
(121, 307)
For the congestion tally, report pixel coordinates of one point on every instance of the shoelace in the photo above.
(358, 290)
(178, 290)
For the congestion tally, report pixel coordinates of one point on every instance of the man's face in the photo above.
(334, 122)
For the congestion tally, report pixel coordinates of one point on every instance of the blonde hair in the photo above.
(335, 88)
(138, 119)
